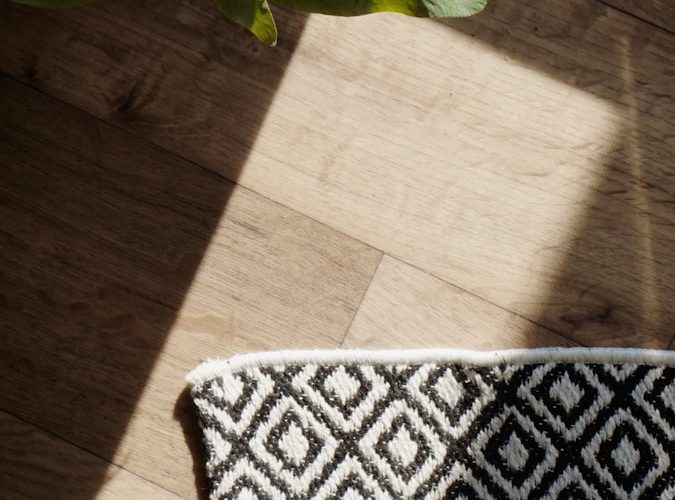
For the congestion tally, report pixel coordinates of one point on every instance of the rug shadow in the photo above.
(185, 414)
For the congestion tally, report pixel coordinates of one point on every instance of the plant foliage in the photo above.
(256, 16)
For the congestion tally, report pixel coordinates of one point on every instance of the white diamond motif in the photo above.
(486, 394)
(342, 384)
(625, 456)
(514, 453)
(449, 389)
(543, 442)
(232, 388)
(294, 444)
(590, 452)
(352, 421)
(386, 429)
(367, 445)
(566, 392)
(298, 483)
(402, 447)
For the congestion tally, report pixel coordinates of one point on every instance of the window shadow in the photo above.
(102, 232)
(616, 283)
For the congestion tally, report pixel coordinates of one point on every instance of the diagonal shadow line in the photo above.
(99, 307)
(616, 282)
(103, 231)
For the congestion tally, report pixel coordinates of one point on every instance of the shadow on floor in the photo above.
(616, 285)
(102, 232)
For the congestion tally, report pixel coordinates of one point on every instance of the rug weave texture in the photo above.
(430, 425)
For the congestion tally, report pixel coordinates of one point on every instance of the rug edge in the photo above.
(610, 355)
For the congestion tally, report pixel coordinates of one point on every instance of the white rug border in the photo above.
(606, 355)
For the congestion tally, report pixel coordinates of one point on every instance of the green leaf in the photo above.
(254, 15)
(53, 3)
(417, 8)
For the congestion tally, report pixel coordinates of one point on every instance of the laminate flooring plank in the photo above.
(36, 465)
(658, 12)
(405, 308)
(524, 155)
(123, 266)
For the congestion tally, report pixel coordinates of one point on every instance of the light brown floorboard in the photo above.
(124, 266)
(524, 155)
(407, 308)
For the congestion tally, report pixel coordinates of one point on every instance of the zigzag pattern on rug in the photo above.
(439, 430)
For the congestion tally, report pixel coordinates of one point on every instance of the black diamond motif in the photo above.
(355, 483)
(503, 452)
(573, 491)
(542, 393)
(500, 440)
(213, 386)
(461, 490)
(625, 432)
(620, 371)
(245, 483)
(346, 408)
(274, 438)
(423, 451)
(470, 392)
(654, 398)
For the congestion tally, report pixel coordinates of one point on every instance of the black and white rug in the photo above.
(543, 423)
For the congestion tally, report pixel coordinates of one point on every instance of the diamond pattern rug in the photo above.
(542, 423)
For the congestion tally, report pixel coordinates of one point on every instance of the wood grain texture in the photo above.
(659, 12)
(407, 308)
(38, 465)
(524, 155)
(124, 266)
(529, 164)
(183, 75)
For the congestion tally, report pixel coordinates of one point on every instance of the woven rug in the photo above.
(542, 423)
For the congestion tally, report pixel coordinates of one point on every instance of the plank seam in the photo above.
(275, 202)
(635, 16)
(484, 299)
(363, 296)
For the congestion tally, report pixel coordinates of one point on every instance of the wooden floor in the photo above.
(172, 190)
